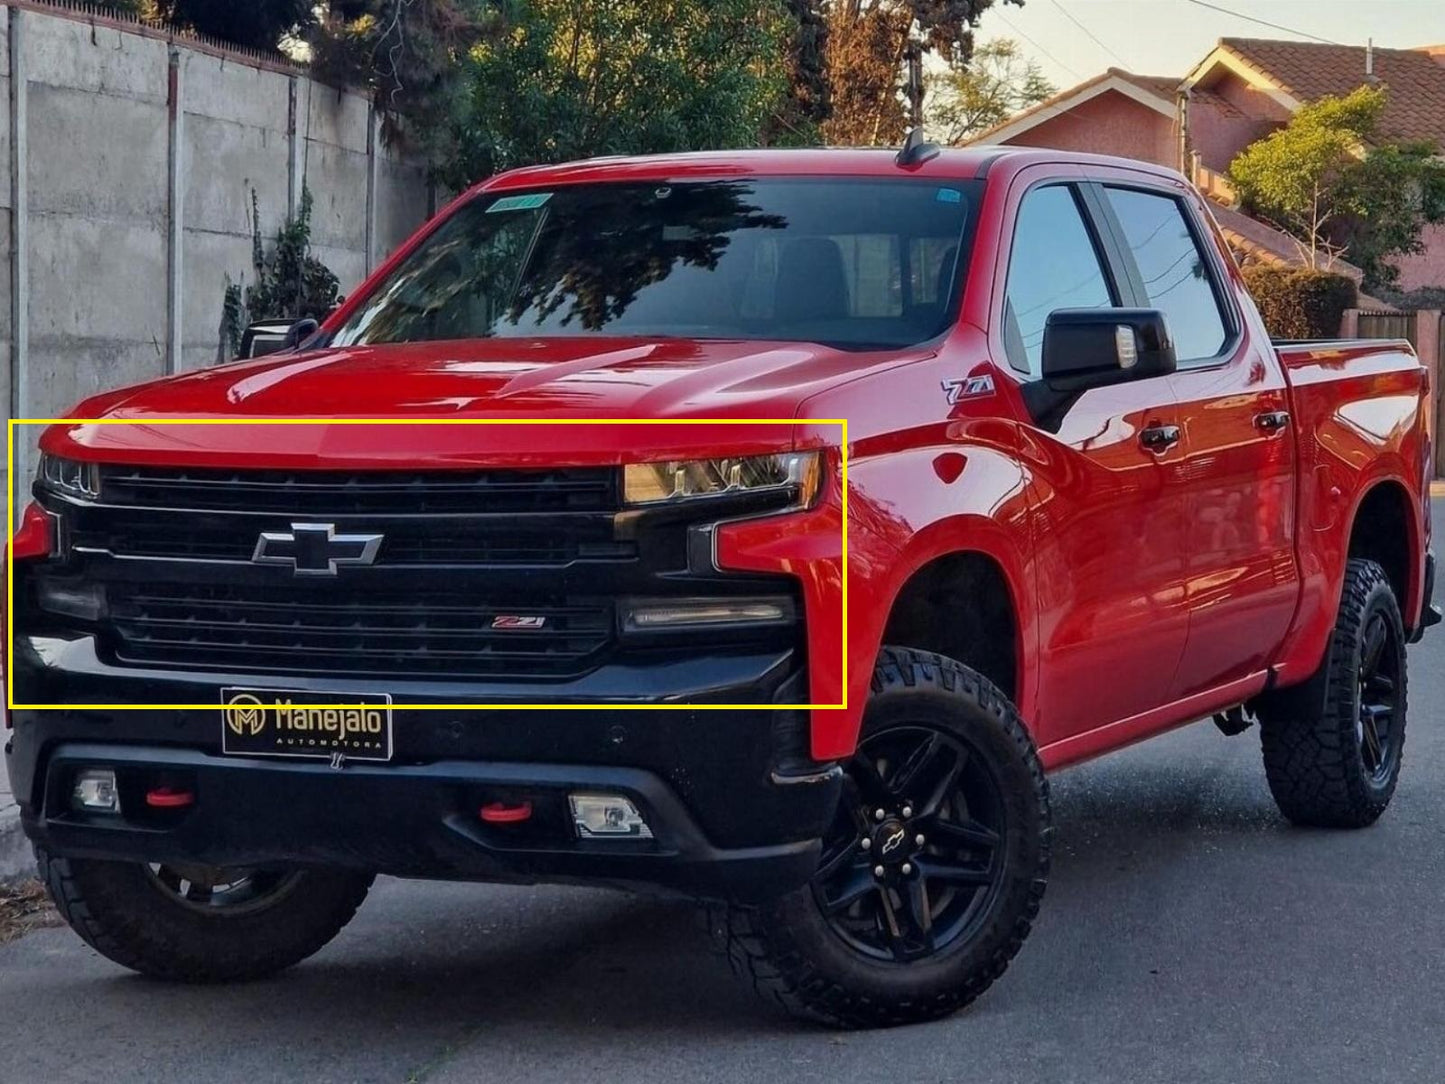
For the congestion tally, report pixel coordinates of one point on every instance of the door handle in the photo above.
(1159, 438)
(1271, 421)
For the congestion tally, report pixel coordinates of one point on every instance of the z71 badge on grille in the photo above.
(518, 621)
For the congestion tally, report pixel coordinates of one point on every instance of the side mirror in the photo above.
(1093, 348)
(1106, 346)
(299, 332)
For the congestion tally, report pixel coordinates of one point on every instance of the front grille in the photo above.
(323, 493)
(456, 540)
(308, 630)
(173, 550)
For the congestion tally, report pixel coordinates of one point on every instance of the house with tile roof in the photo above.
(1243, 90)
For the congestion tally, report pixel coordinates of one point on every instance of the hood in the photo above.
(566, 380)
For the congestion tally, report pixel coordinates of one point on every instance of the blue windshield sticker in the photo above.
(949, 195)
(529, 202)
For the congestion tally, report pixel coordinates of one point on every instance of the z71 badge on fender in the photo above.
(954, 390)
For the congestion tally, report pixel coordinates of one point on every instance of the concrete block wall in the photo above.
(127, 163)
(234, 135)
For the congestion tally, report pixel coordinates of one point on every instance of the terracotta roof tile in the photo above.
(1269, 245)
(1310, 70)
(1164, 86)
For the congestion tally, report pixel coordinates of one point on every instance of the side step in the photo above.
(1234, 721)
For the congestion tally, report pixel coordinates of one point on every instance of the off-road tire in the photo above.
(121, 913)
(1312, 754)
(792, 958)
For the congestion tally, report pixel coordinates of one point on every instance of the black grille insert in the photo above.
(307, 630)
(322, 493)
(451, 540)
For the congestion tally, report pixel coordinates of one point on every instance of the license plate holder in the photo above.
(263, 723)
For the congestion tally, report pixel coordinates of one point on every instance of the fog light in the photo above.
(607, 815)
(94, 791)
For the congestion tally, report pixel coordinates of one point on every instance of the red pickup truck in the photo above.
(1088, 501)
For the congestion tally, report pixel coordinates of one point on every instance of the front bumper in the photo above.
(736, 807)
(417, 820)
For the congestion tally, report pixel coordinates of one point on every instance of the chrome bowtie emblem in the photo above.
(315, 549)
(892, 842)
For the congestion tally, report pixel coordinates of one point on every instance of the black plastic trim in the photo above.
(420, 820)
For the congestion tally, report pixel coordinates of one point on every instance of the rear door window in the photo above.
(1174, 272)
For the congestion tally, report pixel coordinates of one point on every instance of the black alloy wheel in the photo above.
(212, 891)
(1333, 746)
(931, 871)
(1382, 659)
(914, 857)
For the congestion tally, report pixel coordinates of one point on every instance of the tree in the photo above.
(867, 43)
(1392, 194)
(407, 52)
(1326, 178)
(807, 101)
(997, 83)
(259, 24)
(563, 79)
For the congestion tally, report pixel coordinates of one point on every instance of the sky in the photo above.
(1168, 37)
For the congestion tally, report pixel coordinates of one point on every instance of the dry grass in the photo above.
(24, 906)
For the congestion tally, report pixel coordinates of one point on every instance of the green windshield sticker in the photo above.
(529, 202)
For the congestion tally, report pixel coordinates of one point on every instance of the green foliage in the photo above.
(290, 282)
(1425, 297)
(564, 79)
(259, 24)
(1300, 303)
(1328, 180)
(407, 52)
(1392, 194)
(998, 82)
(233, 319)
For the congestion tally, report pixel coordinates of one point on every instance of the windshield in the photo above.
(859, 264)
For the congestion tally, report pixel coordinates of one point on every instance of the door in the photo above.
(1236, 461)
(1108, 524)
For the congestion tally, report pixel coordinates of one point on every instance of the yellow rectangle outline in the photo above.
(842, 423)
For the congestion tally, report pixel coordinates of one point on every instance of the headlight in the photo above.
(70, 477)
(798, 472)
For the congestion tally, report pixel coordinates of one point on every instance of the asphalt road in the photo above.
(1188, 934)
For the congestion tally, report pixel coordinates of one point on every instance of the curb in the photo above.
(16, 859)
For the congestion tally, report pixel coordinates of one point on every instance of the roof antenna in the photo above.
(916, 149)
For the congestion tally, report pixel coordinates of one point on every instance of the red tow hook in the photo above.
(169, 798)
(501, 813)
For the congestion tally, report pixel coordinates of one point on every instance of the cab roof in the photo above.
(956, 163)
